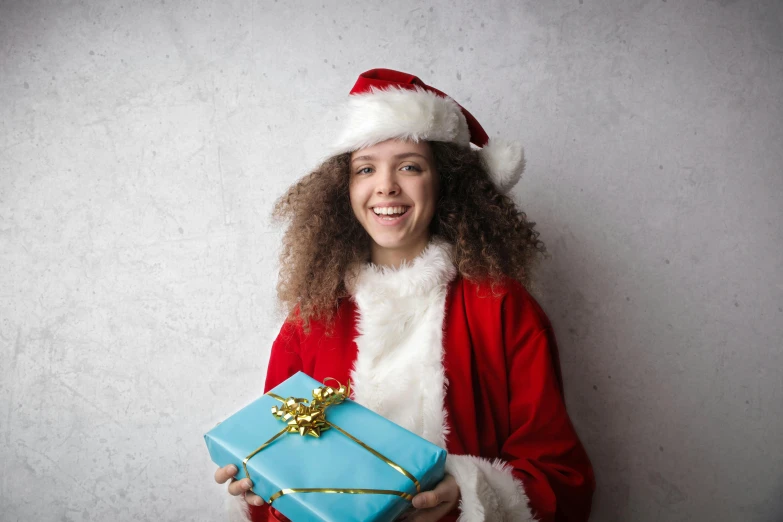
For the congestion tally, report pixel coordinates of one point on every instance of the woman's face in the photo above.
(393, 191)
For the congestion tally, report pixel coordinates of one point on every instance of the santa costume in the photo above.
(477, 362)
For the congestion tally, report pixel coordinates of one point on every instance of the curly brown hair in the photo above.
(492, 237)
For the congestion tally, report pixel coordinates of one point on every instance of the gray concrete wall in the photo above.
(142, 145)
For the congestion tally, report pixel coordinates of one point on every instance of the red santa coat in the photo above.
(480, 371)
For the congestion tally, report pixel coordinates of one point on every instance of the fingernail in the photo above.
(417, 502)
(232, 469)
(258, 501)
(247, 484)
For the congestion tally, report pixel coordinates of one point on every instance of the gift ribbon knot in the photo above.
(308, 417)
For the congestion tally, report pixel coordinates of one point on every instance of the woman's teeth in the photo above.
(389, 211)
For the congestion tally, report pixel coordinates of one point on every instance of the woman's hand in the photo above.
(237, 487)
(431, 506)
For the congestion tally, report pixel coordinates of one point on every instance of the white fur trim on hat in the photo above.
(505, 162)
(411, 114)
(416, 115)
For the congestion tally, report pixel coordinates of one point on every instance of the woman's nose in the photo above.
(387, 184)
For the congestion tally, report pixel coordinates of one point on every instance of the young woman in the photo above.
(404, 268)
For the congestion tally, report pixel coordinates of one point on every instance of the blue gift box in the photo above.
(333, 461)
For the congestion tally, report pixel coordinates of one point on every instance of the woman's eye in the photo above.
(411, 168)
(365, 170)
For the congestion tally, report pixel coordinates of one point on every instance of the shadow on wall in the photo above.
(607, 372)
(660, 425)
(572, 312)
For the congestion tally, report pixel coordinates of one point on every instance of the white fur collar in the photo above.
(432, 268)
(400, 340)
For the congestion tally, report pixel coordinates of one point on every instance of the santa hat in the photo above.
(385, 104)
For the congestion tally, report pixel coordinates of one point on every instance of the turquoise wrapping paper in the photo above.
(331, 461)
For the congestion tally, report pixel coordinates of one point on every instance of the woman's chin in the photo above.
(397, 243)
(384, 244)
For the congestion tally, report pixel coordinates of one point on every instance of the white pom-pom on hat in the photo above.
(386, 104)
(505, 162)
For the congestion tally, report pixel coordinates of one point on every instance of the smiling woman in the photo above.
(404, 267)
(492, 238)
(393, 191)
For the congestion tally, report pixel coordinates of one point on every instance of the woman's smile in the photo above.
(390, 216)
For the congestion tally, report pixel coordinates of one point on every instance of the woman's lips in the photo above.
(387, 222)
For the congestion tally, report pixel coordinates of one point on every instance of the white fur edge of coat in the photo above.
(400, 339)
(488, 490)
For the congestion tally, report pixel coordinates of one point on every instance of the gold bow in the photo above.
(308, 417)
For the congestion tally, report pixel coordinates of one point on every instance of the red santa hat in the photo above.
(385, 104)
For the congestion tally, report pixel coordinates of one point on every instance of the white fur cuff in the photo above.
(236, 509)
(489, 491)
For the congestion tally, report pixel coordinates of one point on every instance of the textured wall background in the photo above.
(144, 143)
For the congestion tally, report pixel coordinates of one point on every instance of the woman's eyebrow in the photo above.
(396, 156)
(362, 158)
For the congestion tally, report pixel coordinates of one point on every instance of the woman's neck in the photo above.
(394, 257)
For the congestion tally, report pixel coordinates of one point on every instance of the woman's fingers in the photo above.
(238, 487)
(235, 487)
(428, 499)
(226, 472)
(447, 491)
(431, 506)
(430, 514)
(252, 498)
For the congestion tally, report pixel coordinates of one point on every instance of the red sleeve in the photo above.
(543, 448)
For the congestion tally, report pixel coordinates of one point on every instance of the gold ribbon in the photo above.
(308, 417)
